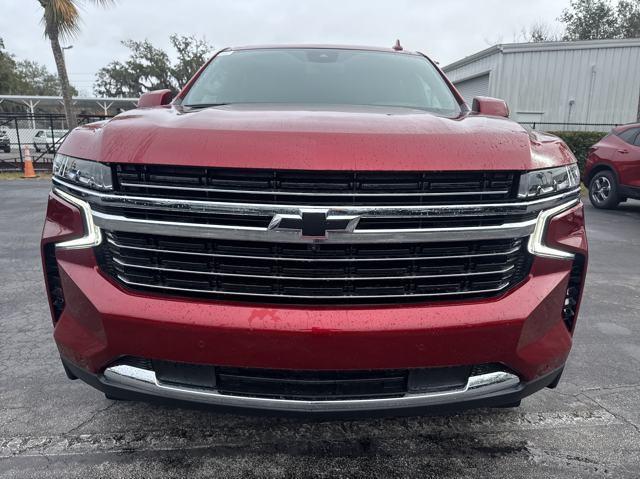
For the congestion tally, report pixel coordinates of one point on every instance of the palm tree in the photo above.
(61, 20)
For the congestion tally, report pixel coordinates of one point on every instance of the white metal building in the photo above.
(588, 82)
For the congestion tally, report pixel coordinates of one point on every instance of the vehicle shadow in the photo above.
(451, 445)
(630, 206)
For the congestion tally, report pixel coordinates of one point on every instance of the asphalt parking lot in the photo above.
(588, 427)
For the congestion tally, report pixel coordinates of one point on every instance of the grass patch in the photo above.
(17, 175)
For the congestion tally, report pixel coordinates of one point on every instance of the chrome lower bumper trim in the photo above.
(145, 382)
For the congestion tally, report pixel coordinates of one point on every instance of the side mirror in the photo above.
(484, 105)
(155, 98)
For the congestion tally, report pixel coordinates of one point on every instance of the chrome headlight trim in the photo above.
(536, 245)
(92, 236)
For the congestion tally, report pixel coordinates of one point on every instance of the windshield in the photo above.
(322, 76)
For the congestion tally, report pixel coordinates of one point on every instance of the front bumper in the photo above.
(487, 390)
(523, 330)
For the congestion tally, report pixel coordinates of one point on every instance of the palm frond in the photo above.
(62, 17)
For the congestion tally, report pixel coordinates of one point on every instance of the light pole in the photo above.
(68, 47)
(64, 59)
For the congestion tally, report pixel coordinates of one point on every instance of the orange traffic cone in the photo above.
(29, 172)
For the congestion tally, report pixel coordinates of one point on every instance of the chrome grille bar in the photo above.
(497, 289)
(108, 200)
(252, 233)
(304, 193)
(109, 212)
(286, 258)
(311, 278)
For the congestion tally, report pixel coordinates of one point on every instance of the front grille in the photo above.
(313, 272)
(313, 237)
(313, 188)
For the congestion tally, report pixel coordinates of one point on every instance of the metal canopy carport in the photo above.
(31, 102)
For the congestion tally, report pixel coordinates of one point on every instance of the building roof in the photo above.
(544, 46)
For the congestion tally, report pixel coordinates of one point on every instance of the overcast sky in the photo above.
(446, 30)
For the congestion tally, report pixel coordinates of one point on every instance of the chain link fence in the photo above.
(42, 133)
(563, 126)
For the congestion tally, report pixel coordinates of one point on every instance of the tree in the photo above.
(35, 79)
(192, 54)
(149, 68)
(598, 19)
(628, 16)
(7, 71)
(61, 20)
(26, 77)
(589, 20)
(538, 32)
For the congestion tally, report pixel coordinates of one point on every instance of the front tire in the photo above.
(603, 190)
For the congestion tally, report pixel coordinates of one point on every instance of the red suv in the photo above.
(613, 167)
(325, 230)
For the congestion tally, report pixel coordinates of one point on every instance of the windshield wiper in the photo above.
(206, 105)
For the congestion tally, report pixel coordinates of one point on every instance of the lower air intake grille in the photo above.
(54, 283)
(573, 292)
(311, 385)
(324, 273)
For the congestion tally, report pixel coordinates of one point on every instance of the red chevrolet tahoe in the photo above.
(318, 230)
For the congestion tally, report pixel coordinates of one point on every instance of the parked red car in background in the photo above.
(612, 171)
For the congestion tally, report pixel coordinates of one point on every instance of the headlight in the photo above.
(545, 182)
(89, 174)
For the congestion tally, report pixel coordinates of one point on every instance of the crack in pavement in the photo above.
(617, 416)
(93, 416)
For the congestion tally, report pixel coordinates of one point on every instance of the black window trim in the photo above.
(634, 139)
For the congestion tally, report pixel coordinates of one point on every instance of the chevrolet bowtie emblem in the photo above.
(314, 223)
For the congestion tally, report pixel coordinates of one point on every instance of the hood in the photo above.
(351, 138)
